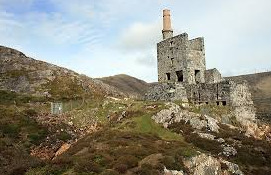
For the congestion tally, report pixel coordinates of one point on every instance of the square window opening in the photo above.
(179, 75)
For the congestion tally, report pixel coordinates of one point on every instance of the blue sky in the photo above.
(107, 37)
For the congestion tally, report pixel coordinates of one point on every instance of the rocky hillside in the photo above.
(23, 74)
(143, 137)
(115, 136)
(260, 86)
(127, 84)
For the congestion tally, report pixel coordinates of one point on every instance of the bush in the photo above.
(129, 160)
(89, 166)
(147, 169)
(11, 129)
(173, 163)
(36, 138)
(64, 136)
(109, 172)
(30, 112)
(46, 170)
(121, 168)
(205, 144)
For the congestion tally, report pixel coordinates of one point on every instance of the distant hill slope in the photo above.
(127, 84)
(260, 86)
(23, 74)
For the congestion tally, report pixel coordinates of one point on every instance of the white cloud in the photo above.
(59, 30)
(140, 37)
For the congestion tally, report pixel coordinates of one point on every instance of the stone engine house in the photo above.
(182, 73)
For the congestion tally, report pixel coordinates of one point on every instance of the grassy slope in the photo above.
(132, 145)
(120, 147)
(18, 132)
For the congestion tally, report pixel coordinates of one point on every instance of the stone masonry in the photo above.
(182, 73)
(181, 60)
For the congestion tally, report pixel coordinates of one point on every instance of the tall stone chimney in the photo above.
(167, 30)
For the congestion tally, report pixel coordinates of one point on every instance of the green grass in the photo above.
(139, 120)
(63, 88)
(19, 131)
(144, 124)
(121, 145)
(120, 151)
(10, 98)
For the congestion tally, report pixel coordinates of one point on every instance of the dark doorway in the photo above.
(168, 76)
(224, 103)
(179, 75)
(197, 76)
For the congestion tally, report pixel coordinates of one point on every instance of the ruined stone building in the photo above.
(182, 73)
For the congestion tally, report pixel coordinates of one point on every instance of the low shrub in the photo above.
(120, 167)
(129, 160)
(110, 172)
(12, 129)
(64, 136)
(87, 166)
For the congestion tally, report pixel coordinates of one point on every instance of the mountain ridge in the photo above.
(129, 85)
(23, 74)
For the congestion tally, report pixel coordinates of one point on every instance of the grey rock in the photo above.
(229, 150)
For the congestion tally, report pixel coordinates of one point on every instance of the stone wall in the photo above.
(213, 76)
(181, 60)
(241, 101)
(223, 93)
(170, 54)
(203, 93)
(196, 61)
(167, 92)
(240, 94)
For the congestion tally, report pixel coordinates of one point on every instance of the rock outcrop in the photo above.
(205, 164)
(175, 114)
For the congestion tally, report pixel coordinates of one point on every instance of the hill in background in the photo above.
(127, 84)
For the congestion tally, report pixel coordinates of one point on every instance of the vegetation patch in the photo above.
(121, 151)
(253, 156)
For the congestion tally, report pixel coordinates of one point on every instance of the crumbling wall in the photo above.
(240, 94)
(196, 61)
(213, 76)
(167, 92)
(241, 101)
(197, 44)
(216, 93)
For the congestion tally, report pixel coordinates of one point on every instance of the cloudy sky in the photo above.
(107, 37)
